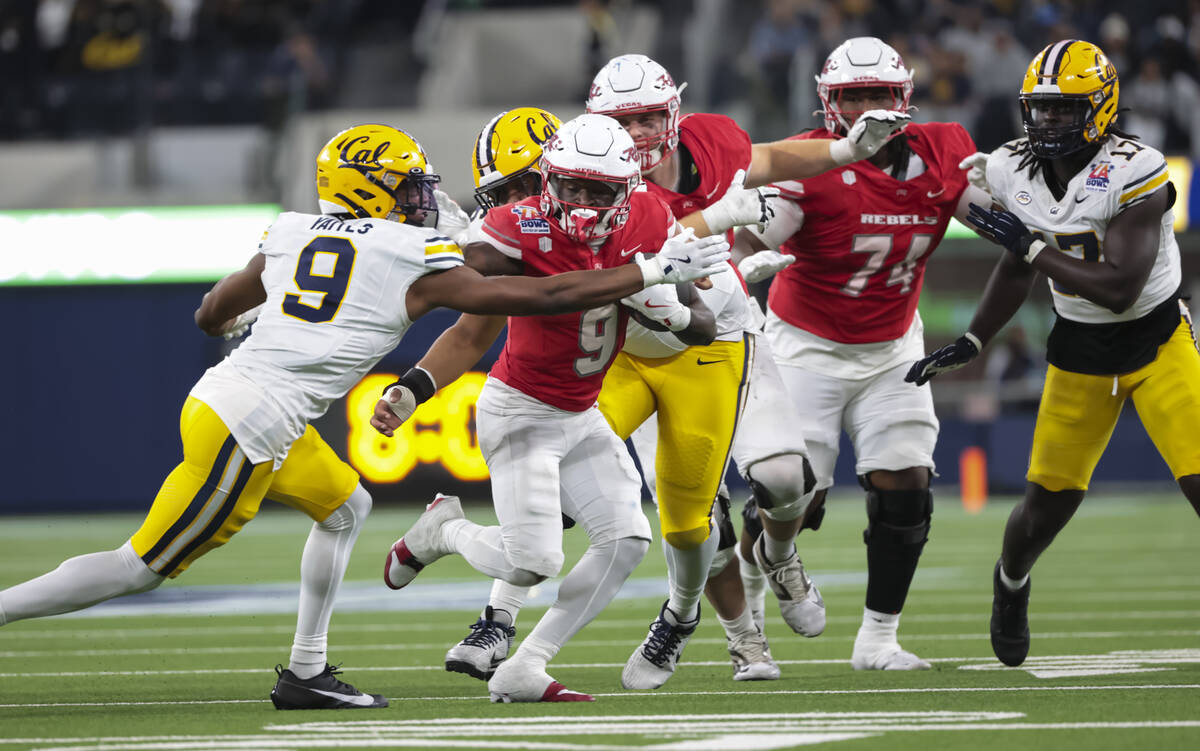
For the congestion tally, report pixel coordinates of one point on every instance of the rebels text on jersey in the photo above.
(561, 359)
(863, 238)
(718, 148)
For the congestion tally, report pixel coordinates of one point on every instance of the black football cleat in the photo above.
(323, 691)
(1010, 621)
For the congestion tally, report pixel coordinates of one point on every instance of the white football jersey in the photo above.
(336, 304)
(728, 301)
(1123, 173)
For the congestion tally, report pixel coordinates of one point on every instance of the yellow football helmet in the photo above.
(1068, 98)
(377, 171)
(507, 150)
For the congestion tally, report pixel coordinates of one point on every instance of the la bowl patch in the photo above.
(1097, 179)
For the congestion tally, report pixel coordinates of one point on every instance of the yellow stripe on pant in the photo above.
(1079, 411)
(211, 495)
(699, 394)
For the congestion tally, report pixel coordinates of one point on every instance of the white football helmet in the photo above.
(590, 147)
(861, 62)
(633, 84)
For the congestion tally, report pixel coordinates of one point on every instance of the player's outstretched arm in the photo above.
(739, 207)
(454, 352)
(797, 159)
(1006, 290)
(234, 295)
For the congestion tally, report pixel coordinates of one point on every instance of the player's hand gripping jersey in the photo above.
(1122, 174)
(861, 238)
(335, 305)
(561, 359)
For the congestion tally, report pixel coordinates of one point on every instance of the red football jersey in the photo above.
(865, 238)
(719, 148)
(561, 359)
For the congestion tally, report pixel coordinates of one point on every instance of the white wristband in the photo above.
(681, 320)
(652, 270)
(1035, 247)
(974, 340)
(842, 152)
(717, 217)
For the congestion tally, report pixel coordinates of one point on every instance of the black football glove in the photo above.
(1005, 228)
(951, 357)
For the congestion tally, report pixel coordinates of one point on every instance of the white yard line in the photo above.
(646, 696)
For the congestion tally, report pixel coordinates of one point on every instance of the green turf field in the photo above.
(1115, 662)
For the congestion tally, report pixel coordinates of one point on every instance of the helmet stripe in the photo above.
(1052, 60)
(484, 157)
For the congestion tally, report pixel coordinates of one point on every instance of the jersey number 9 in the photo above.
(323, 269)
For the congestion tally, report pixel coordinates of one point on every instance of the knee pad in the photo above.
(352, 513)
(720, 561)
(897, 517)
(727, 535)
(524, 578)
(782, 485)
(688, 539)
(751, 524)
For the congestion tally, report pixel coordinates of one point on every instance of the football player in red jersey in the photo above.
(843, 324)
(698, 165)
(548, 448)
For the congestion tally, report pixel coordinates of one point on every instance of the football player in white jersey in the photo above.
(1089, 207)
(336, 291)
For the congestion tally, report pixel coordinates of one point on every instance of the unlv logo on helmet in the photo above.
(664, 81)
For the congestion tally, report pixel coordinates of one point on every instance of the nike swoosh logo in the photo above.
(933, 194)
(361, 700)
(1081, 200)
(652, 305)
(706, 362)
(631, 250)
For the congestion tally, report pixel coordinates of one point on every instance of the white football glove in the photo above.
(661, 303)
(764, 264)
(238, 325)
(976, 166)
(685, 258)
(452, 220)
(741, 206)
(869, 133)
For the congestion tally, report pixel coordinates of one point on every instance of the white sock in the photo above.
(742, 625)
(585, 590)
(506, 601)
(688, 571)
(322, 566)
(777, 551)
(753, 582)
(1012, 585)
(78, 583)
(877, 626)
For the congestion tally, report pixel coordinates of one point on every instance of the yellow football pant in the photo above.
(216, 490)
(1078, 413)
(698, 394)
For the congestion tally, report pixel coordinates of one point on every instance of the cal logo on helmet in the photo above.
(376, 171)
(1068, 98)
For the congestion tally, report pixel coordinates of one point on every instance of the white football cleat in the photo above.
(800, 601)
(422, 544)
(484, 649)
(752, 658)
(888, 655)
(654, 661)
(518, 681)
